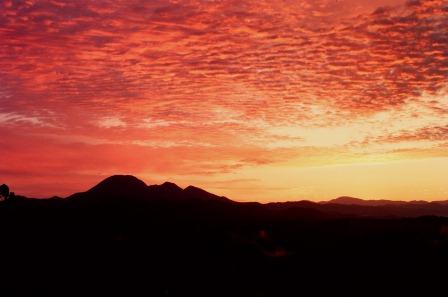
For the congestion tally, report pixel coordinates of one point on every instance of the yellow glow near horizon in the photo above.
(421, 179)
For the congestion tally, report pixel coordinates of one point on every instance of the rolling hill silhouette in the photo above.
(127, 238)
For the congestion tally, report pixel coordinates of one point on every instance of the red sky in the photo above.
(256, 100)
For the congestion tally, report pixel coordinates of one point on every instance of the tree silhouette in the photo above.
(4, 192)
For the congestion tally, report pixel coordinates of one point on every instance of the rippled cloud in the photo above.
(227, 80)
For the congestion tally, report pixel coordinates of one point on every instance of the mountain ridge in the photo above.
(130, 188)
(127, 191)
(347, 200)
(130, 183)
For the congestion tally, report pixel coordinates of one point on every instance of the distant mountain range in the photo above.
(129, 191)
(345, 200)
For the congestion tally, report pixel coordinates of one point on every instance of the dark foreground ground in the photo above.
(140, 246)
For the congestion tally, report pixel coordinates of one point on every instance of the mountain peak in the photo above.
(347, 200)
(170, 185)
(192, 188)
(167, 191)
(118, 185)
(198, 193)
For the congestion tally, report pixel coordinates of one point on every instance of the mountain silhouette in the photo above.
(124, 190)
(123, 237)
(193, 192)
(119, 185)
(346, 200)
(127, 190)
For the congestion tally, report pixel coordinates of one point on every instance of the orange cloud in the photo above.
(216, 86)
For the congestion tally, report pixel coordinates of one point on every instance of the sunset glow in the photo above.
(255, 100)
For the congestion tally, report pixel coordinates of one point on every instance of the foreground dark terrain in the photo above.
(124, 237)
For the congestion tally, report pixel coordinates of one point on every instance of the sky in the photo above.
(267, 100)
